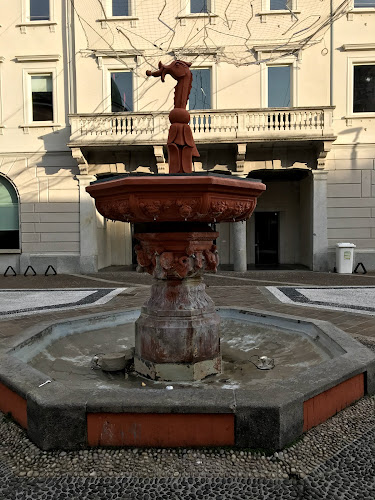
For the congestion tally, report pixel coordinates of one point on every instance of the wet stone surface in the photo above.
(70, 358)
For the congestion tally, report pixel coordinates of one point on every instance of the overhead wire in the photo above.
(205, 44)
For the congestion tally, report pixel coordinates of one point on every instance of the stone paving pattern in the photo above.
(334, 461)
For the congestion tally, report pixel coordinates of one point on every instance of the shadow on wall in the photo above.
(355, 142)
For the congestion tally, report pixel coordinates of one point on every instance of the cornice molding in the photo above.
(358, 46)
(38, 58)
(118, 53)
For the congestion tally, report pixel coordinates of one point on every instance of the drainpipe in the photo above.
(69, 6)
(331, 58)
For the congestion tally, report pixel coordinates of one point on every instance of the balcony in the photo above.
(209, 126)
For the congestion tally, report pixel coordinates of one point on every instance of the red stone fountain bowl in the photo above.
(186, 197)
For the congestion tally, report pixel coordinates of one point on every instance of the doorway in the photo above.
(266, 238)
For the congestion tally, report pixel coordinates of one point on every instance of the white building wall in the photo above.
(350, 196)
(39, 162)
(37, 159)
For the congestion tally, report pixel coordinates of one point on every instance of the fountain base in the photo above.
(177, 335)
(245, 408)
(178, 372)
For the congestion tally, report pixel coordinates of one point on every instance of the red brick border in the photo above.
(11, 402)
(164, 429)
(172, 430)
(326, 404)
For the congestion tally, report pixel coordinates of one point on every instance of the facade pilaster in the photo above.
(88, 231)
(319, 214)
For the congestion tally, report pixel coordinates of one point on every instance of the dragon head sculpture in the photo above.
(180, 71)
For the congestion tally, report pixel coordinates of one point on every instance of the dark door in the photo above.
(266, 238)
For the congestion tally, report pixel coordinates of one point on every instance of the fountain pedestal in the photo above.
(177, 336)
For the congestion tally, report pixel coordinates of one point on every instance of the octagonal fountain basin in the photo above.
(48, 384)
(199, 197)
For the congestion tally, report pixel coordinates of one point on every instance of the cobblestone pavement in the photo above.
(334, 461)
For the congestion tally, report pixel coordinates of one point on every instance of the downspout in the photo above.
(331, 58)
(69, 5)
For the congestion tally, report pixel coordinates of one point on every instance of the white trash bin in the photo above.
(344, 257)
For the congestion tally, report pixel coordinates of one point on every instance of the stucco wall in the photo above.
(39, 162)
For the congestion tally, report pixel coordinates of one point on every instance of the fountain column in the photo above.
(177, 335)
(239, 246)
(319, 229)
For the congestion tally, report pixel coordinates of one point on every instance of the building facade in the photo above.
(282, 91)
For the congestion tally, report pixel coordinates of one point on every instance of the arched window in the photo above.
(9, 218)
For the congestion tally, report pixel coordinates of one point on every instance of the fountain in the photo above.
(177, 334)
(303, 372)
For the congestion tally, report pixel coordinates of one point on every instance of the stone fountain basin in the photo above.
(268, 414)
(180, 197)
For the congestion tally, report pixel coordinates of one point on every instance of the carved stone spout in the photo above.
(180, 144)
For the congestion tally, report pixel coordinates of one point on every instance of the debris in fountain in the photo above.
(264, 362)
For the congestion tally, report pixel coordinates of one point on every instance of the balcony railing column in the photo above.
(326, 127)
(241, 128)
(158, 126)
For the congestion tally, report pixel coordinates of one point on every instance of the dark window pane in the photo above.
(41, 92)
(278, 86)
(197, 6)
(39, 10)
(362, 4)
(9, 220)
(277, 4)
(42, 107)
(9, 240)
(200, 95)
(364, 88)
(120, 8)
(121, 91)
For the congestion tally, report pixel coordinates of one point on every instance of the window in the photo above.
(199, 6)
(364, 88)
(278, 4)
(42, 98)
(39, 10)
(120, 8)
(363, 4)
(9, 220)
(279, 88)
(200, 95)
(121, 91)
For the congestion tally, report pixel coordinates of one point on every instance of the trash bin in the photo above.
(344, 257)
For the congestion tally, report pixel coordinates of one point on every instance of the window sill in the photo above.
(198, 15)
(31, 24)
(278, 12)
(263, 14)
(359, 116)
(360, 10)
(133, 20)
(118, 18)
(6, 250)
(26, 126)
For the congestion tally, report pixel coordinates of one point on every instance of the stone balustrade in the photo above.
(207, 125)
